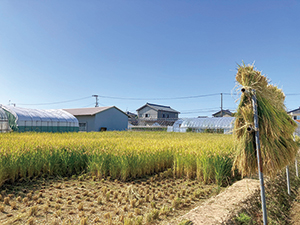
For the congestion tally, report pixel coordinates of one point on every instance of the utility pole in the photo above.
(96, 96)
(222, 104)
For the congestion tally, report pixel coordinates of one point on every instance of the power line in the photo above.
(171, 98)
(293, 94)
(139, 99)
(203, 111)
(54, 103)
(125, 98)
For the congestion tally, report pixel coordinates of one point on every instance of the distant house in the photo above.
(131, 115)
(150, 113)
(132, 118)
(100, 118)
(295, 114)
(223, 113)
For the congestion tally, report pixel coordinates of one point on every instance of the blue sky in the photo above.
(140, 51)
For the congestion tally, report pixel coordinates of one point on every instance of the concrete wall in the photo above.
(171, 114)
(148, 110)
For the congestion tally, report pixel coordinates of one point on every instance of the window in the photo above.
(82, 126)
(147, 115)
(163, 116)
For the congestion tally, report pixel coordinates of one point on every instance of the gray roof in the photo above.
(159, 108)
(295, 111)
(225, 111)
(90, 111)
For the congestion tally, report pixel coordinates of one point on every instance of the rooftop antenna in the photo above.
(10, 103)
(96, 96)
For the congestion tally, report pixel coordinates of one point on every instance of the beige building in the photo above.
(223, 113)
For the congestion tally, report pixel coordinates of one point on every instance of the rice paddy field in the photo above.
(109, 177)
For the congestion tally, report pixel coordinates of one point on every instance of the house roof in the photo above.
(90, 111)
(295, 111)
(158, 107)
(130, 114)
(225, 111)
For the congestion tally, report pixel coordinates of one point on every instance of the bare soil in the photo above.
(220, 209)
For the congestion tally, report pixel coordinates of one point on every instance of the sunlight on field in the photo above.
(120, 155)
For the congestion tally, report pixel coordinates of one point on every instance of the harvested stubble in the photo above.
(276, 127)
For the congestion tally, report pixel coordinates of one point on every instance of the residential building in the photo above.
(223, 113)
(150, 114)
(295, 114)
(132, 118)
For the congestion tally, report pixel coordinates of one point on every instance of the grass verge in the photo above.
(278, 201)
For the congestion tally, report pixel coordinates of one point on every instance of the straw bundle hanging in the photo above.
(276, 127)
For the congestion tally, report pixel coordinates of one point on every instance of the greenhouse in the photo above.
(210, 125)
(53, 120)
(4, 127)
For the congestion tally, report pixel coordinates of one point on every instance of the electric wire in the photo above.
(54, 103)
(169, 98)
(138, 99)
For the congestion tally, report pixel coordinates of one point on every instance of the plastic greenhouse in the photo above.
(4, 126)
(53, 120)
(215, 124)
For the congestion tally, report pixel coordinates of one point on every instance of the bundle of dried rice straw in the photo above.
(276, 127)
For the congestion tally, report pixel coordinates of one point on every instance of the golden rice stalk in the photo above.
(276, 127)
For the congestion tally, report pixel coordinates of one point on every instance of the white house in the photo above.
(295, 114)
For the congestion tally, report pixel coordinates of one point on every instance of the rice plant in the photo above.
(276, 127)
(115, 155)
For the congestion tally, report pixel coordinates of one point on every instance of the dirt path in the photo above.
(220, 208)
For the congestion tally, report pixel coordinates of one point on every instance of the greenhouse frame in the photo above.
(210, 125)
(4, 126)
(52, 120)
